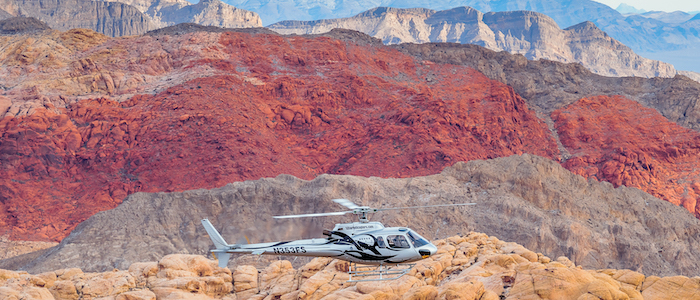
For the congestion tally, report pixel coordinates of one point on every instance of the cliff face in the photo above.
(639, 32)
(531, 34)
(165, 13)
(110, 18)
(526, 199)
(130, 17)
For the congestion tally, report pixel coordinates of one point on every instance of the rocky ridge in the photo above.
(21, 25)
(531, 34)
(526, 199)
(473, 266)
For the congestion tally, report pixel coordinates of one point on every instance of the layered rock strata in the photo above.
(639, 32)
(205, 12)
(125, 18)
(109, 18)
(534, 35)
(530, 200)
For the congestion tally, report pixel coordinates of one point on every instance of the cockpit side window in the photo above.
(380, 242)
(397, 241)
(416, 239)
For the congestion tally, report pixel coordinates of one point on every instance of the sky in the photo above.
(649, 5)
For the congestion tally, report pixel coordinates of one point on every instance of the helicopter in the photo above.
(384, 253)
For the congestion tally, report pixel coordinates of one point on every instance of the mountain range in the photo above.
(642, 34)
(534, 35)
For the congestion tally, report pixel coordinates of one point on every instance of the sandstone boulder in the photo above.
(494, 271)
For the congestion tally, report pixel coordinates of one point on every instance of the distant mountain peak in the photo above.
(695, 18)
(624, 8)
(583, 26)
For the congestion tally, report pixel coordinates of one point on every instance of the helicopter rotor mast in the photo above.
(362, 211)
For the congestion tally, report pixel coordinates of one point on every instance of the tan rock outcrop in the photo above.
(495, 270)
(12, 248)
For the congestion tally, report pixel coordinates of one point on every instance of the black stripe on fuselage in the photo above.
(365, 256)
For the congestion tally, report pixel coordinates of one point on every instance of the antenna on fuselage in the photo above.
(362, 211)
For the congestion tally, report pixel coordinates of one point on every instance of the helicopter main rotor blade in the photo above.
(339, 213)
(425, 206)
(347, 203)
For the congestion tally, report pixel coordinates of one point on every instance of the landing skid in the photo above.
(377, 273)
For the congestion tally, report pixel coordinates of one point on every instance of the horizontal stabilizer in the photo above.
(223, 259)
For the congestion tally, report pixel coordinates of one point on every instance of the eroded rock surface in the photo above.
(548, 85)
(620, 141)
(530, 200)
(474, 267)
(110, 18)
(274, 105)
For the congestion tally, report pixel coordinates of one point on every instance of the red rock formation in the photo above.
(289, 105)
(618, 140)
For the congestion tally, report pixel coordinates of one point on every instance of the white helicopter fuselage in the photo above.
(359, 242)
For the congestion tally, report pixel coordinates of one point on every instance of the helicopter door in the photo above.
(380, 242)
(397, 242)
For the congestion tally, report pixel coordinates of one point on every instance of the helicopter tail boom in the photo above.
(221, 246)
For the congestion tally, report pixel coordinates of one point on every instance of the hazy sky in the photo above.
(667, 5)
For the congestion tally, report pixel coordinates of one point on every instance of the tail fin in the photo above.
(219, 242)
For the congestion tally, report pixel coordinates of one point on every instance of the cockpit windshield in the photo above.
(416, 239)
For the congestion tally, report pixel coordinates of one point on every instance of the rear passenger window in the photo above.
(380, 242)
